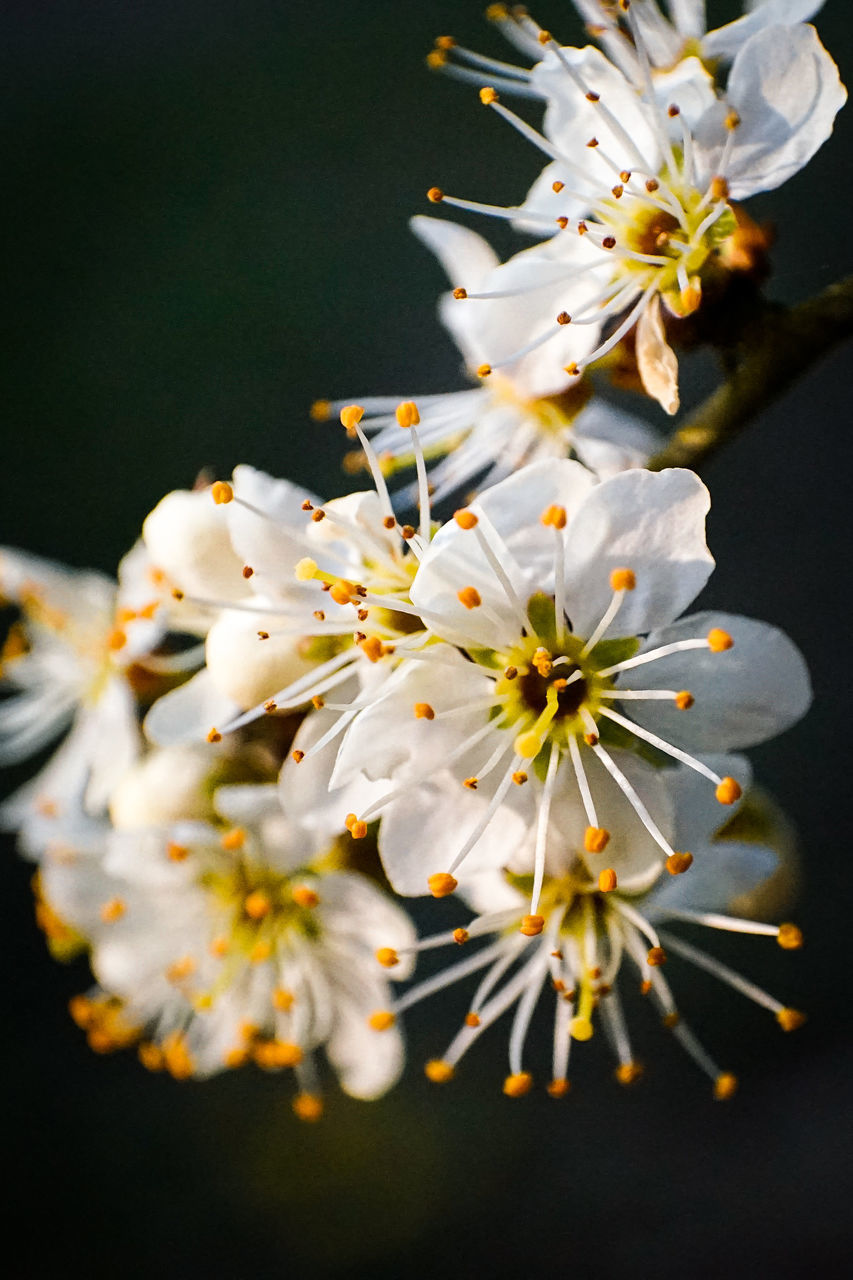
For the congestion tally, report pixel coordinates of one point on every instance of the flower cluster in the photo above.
(290, 713)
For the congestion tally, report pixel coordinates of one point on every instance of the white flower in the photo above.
(532, 409)
(645, 175)
(595, 929)
(217, 945)
(66, 663)
(554, 602)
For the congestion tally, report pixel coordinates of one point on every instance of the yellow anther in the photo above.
(532, 926)
(407, 531)
(678, 863)
(728, 791)
(435, 195)
(358, 830)
(261, 952)
(283, 999)
(273, 1055)
(465, 519)
(460, 294)
(484, 370)
(471, 783)
(321, 410)
(423, 711)
(558, 1088)
(564, 318)
(263, 635)
(596, 839)
(469, 597)
(518, 1084)
(151, 1056)
(181, 969)
(719, 640)
(719, 188)
(387, 957)
(528, 745)
(297, 755)
(303, 896)
(351, 416)
(544, 37)
(519, 778)
(257, 905)
(725, 1086)
(342, 591)
(790, 1019)
(233, 1059)
(591, 739)
(670, 1019)
(554, 515)
(488, 96)
(112, 910)
(116, 639)
(407, 414)
(219, 947)
(176, 1057)
(439, 1071)
(445, 42)
(472, 1019)
(214, 735)
(510, 673)
(372, 648)
(461, 936)
(381, 1020)
(572, 370)
(628, 1072)
(656, 956)
(732, 120)
(581, 1028)
(308, 1107)
(645, 987)
(305, 569)
(623, 580)
(82, 1011)
(248, 571)
(221, 492)
(435, 59)
(233, 839)
(684, 700)
(543, 662)
(789, 937)
(557, 187)
(607, 880)
(497, 12)
(270, 706)
(177, 852)
(442, 884)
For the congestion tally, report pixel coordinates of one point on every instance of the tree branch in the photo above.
(779, 346)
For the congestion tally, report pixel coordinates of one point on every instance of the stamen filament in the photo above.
(662, 745)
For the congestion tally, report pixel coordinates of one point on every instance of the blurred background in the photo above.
(209, 202)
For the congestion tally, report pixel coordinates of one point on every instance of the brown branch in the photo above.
(777, 348)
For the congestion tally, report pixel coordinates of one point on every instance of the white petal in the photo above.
(268, 545)
(188, 713)
(656, 360)
(247, 669)
(187, 537)
(688, 17)
(368, 1062)
(720, 874)
(168, 784)
(698, 813)
(744, 695)
(651, 523)
(727, 41)
(351, 903)
(786, 90)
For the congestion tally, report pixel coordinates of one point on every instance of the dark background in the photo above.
(209, 203)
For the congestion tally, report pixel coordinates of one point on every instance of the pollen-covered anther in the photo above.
(519, 777)
(652, 185)
(472, 1019)
(558, 1088)
(488, 96)
(273, 1055)
(469, 597)
(318, 515)
(308, 1107)
(518, 1084)
(656, 957)
(532, 926)
(510, 673)
(593, 143)
(270, 706)
(562, 223)
(732, 119)
(441, 884)
(461, 936)
(465, 519)
(116, 639)
(407, 414)
(297, 756)
(181, 969)
(221, 492)
(677, 863)
(233, 840)
(439, 1071)
(372, 648)
(283, 999)
(387, 957)
(628, 1072)
(581, 1028)
(112, 910)
(214, 735)
(318, 702)
(351, 416)
(609, 242)
(304, 896)
(728, 791)
(564, 318)
(471, 783)
(684, 700)
(257, 905)
(789, 937)
(591, 739)
(305, 569)
(177, 852)
(460, 294)
(790, 1019)
(572, 370)
(435, 195)
(436, 58)
(596, 839)
(543, 662)
(381, 1020)
(320, 411)
(423, 711)
(557, 187)
(617, 192)
(484, 370)
(554, 516)
(623, 580)
(719, 640)
(263, 635)
(358, 829)
(607, 880)
(725, 1086)
(407, 531)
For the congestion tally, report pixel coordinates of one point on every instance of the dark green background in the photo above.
(209, 206)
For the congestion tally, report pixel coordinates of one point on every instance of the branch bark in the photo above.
(777, 348)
